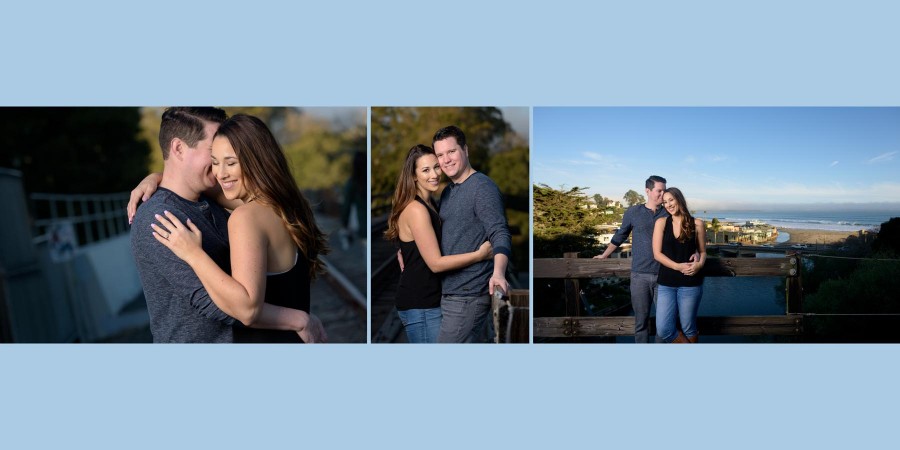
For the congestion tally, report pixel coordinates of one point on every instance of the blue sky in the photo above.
(725, 158)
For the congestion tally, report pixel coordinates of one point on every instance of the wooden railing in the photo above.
(571, 269)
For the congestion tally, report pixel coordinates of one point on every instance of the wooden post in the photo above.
(511, 317)
(573, 290)
(794, 292)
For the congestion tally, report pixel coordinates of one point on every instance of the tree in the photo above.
(633, 198)
(715, 226)
(888, 240)
(74, 150)
(600, 200)
(395, 130)
(562, 223)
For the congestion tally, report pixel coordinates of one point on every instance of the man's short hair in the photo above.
(653, 180)
(450, 131)
(186, 123)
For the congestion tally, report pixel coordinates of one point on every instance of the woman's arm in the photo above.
(658, 230)
(701, 243)
(243, 295)
(419, 222)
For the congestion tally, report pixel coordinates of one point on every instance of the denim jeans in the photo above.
(643, 295)
(421, 325)
(463, 318)
(677, 304)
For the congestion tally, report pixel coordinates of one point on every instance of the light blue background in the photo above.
(459, 53)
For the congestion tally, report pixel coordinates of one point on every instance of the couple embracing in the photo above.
(453, 255)
(210, 275)
(669, 248)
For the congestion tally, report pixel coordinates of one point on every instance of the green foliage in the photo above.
(849, 287)
(74, 150)
(396, 130)
(888, 239)
(633, 198)
(319, 152)
(563, 223)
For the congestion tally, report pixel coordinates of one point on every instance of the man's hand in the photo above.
(142, 193)
(500, 282)
(601, 256)
(314, 332)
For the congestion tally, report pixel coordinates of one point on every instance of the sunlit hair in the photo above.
(406, 189)
(187, 124)
(268, 180)
(652, 180)
(687, 221)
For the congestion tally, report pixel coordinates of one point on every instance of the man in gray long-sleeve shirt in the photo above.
(471, 212)
(181, 310)
(641, 219)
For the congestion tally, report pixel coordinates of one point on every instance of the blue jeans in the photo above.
(643, 294)
(463, 318)
(677, 304)
(421, 325)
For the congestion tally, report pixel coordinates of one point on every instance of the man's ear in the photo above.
(466, 149)
(176, 148)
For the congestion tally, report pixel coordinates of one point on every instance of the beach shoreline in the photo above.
(811, 236)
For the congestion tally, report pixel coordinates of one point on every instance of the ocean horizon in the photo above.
(808, 220)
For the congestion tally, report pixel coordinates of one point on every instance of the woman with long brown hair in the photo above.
(274, 240)
(679, 285)
(414, 224)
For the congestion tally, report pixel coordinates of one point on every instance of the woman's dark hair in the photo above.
(406, 188)
(687, 221)
(268, 180)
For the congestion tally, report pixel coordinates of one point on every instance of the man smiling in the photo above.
(471, 212)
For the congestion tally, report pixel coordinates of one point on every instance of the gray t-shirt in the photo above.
(472, 212)
(180, 308)
(640, 221)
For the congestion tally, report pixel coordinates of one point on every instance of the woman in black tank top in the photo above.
(680, 286)
(415, 226)
(274, 240)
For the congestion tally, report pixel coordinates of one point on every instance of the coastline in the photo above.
(810, 236)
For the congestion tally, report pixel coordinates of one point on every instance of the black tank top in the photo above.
(420, 288)
(289, 289)
(679, 252)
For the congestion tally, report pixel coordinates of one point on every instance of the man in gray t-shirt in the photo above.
(471, 212)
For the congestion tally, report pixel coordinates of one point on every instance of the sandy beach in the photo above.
(800, 236)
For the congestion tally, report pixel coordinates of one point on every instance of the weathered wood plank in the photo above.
(624, 326)
(511, 318)
(621, 267)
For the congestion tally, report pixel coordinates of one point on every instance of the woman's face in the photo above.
(428, 173)
(670, 203)
(227, 169)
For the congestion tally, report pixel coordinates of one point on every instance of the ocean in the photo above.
(809, 220)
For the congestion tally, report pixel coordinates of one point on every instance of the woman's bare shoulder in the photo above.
(253, 216)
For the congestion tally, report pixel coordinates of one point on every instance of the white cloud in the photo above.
(882, 158)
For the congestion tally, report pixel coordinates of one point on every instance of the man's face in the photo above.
(655, 195)
(453, 159)
(197, 161)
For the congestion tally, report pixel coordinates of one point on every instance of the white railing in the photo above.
(95, 217)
